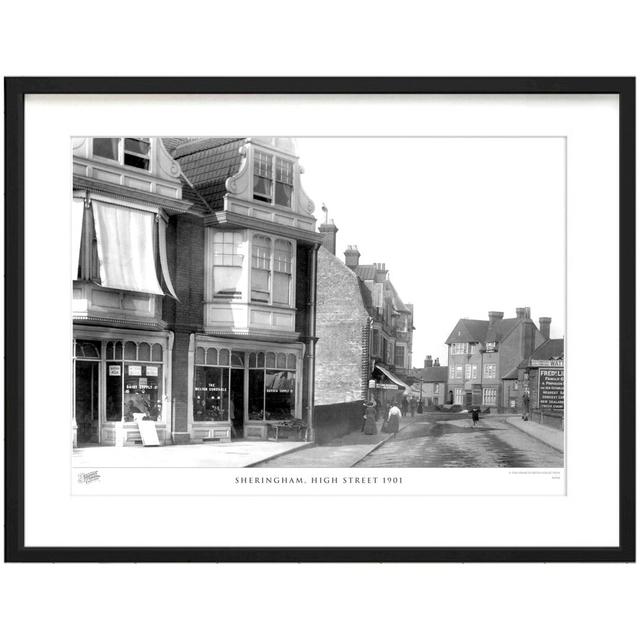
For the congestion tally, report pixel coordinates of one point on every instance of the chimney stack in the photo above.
(428, 362)
(545, 326)
(328, 230)
(494, 316)
(352, 256)
(436, 362)
(521, 313)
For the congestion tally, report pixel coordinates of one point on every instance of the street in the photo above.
(494, 443)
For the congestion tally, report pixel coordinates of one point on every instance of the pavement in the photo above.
(238, 453)
(552, 436)
(345, 451)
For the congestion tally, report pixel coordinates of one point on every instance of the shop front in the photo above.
(241, 389)
(387, 388)
(120, 379)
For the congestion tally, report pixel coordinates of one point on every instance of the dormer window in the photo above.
(272, 179)
(131, 152)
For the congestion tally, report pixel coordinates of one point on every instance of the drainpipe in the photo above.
(311, 348)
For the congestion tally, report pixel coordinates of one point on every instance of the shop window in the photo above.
(267, 173)
(133, 381)
(228, 257)
(131, 152)
(211, 394)
(272, 390)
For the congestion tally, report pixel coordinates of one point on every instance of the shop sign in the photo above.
(551, 389)
(547, 363)
(387, 386)
(114, 369)
(372, 384)
(152, 371)
(135, 370)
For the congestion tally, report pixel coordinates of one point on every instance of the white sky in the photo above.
(464, 225)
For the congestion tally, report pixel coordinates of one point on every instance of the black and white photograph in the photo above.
(318, 302)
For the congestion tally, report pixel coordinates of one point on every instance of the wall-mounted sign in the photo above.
(135, 370)
(372, 384)
(152, 371)
(551, 389)
(547, 363)
(114, 369)
(387, 386)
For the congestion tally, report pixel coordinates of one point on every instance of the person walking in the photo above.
(475, 416)
(393, 420)
(412, 406)
(405, 405)
(370, 428)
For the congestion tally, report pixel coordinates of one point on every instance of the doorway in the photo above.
(87, 405)
(237, 403)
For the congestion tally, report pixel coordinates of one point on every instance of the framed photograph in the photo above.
(320, 319)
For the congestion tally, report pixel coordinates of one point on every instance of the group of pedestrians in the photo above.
(390, 421)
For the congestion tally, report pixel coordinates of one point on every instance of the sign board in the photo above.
(114, 369)
(148, 431)
(152, 371)
(135, 370)
(387, 386)
(551, 389)
(547, 363)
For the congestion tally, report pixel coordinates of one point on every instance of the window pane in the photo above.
(156, 353)
(271, 360)
(279, 394)
(130, 351)
(256, 394)
(114, 391)
(281, 361)
(283, 194)
(119, 351)
(106, 147)
(291, 362)
(252, 360)
(109, 350)
(144, 352)
(223, 357)
(284, 171)
(212, 356)
(227, 281)
(237, 359)
(142, 391)
(137, 145)
(281, 287)
(136, 161)
(88, 349)
(260, 359)
(211, 394)
(282, 256)
(199, 355)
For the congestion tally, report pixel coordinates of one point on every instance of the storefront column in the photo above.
(181, 375)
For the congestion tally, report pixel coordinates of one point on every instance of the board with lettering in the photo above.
(551, 389)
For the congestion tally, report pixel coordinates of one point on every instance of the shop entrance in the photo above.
(87, 394)
(236, 408)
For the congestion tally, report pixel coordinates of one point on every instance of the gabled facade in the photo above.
(483, 355)
(216, 256)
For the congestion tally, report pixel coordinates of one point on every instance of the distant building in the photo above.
(484, 356)
(434, 382)
(364, 330)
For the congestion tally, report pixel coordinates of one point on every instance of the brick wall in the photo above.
(342, 322)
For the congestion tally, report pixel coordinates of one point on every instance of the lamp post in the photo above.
(420, 406)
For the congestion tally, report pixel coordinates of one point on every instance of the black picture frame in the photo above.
(16, 89)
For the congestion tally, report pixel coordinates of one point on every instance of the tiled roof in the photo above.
(433, 374)
(207, 163)
(366, 271)
(551, 349)
(480, 331)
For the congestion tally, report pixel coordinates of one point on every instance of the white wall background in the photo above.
(329, 38)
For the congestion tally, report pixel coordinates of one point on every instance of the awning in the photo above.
(392, 377)
(77, 218)
(125, 248)
(164, 265)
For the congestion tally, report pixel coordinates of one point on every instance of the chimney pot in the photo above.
(428, 362)
(352, 256)
(545, 326)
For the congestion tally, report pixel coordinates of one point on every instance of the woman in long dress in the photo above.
(370, 427)
(393, 420)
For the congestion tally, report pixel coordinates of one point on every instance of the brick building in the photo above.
(432, 385)
(194, 301)
(484, 356)
(364, 329)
